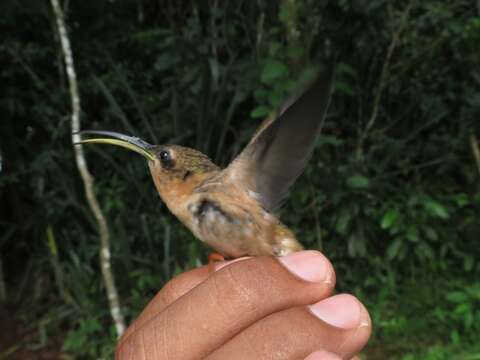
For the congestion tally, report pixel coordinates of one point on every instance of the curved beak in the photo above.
(128, 142)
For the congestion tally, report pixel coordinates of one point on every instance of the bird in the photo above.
(233, 210)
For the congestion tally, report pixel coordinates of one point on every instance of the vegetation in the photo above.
(391, 195)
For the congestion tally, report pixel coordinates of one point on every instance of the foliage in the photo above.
(391, 194)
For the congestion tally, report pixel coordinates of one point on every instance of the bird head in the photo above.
(169, 164)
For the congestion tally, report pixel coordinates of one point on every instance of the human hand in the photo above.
(250, 308)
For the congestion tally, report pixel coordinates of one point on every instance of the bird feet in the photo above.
(215, 257)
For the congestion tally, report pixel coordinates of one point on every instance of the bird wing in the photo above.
(281, 147)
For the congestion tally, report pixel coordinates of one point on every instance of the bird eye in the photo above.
(166, 159)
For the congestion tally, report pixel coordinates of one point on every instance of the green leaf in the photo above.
(455, 337)
(389, 219)
(436, 209)
(457, 297)
(424, 249)
(329, 140)
(462, 200)
(275, 98)
(214, 69)
(342, 222)
(165, 62)
(462, 308)
(275, 48)
(412, 234)
(260, 94)
(260, 112)
(358, 182)
(343, 68)
(468, 262)
(343, 88)
(273, 70)
(394, 249)
(431, 233)
(351, 248)
(468, 320)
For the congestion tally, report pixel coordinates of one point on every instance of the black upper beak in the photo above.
(129, 142)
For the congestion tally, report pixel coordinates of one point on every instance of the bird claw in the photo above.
(215, 257)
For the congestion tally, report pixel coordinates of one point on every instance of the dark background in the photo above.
(391, 195)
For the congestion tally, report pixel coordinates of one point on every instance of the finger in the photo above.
(175, 288)
(323, 355)
(340, 325)
(172, 290)
(227, 302)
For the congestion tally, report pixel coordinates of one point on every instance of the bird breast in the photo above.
(232, 222)
(228, 218)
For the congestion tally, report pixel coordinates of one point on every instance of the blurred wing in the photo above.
(280, 149)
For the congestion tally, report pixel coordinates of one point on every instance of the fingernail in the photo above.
(310, 266)
(343, 311)
(365, 320)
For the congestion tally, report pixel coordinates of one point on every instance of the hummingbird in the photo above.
(233, 209)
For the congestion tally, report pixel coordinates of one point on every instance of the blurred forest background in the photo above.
(391, 195)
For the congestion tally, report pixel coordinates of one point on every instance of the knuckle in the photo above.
(171, 291)
(244, 285)
(245, 293)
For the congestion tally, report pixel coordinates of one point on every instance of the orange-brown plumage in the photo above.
(232, 215)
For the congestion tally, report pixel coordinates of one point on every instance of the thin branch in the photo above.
(396, 37)
(85, 174)
(289, 18)
(475, 150)
(140, 12)
(412, 168)
(3, 286)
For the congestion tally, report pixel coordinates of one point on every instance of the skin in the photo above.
(250, 308)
